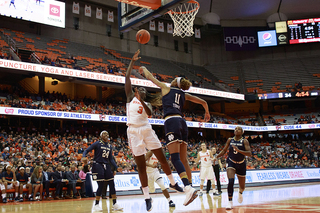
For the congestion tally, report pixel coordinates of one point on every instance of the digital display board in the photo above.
(267, 38)
(304, 30)
(283, 95)
(48, 12)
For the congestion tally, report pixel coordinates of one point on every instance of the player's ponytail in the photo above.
(185, 84)
(154, 99)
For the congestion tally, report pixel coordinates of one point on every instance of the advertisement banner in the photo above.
(152, 121)
(29, 67)
(240, 38)
(124, 182)
(48, 12)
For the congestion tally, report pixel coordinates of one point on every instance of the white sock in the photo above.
(16, 194)
(21, 196)
(171, 179)
(4, 195)
(29, 195)
(146, 192)
(168, 199)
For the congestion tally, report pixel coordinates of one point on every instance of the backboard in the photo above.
(131, 17)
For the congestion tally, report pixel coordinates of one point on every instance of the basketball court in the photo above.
(287, 198)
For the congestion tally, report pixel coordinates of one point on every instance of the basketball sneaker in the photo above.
(116, 207)
(149, 204)
(229, 205)
(97, 208)
(240, 198)
(171, 204)
(200, 194)
(176, 187)
(191, 194)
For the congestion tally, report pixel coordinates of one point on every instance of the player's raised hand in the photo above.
(207, 116)
(136, 56)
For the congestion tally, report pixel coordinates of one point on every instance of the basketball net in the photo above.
(183, 17)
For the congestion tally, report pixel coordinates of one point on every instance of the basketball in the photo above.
(143, 36)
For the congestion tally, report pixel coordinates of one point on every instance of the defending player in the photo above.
(101, 169)
(154, 176)
(175, 126)
(236, 163)
(142, 136)
(206, 170)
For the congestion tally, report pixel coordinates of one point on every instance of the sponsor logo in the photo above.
(224, 126)
(134, 181)
(278, 127)
(8, 111)
(267, 36)
(282, 37)
(240, 40)
(54, 10)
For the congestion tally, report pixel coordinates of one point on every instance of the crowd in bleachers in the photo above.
(63, 152)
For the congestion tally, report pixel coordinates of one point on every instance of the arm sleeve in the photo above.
(89, 149)
(111, 160)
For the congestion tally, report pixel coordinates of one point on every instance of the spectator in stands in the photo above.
(47, 181)
(82, 174)
(74, 180)
(57, 182)
(37, 182)
(5, 154)
(23, 178)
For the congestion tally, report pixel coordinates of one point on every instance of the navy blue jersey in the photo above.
(234, 155)
(173, 102)
(102, 153)
(8, 177)
(21, 178)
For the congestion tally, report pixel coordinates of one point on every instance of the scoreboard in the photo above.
(285, 95)
(304, 30)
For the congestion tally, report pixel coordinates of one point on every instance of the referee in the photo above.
(216, 168)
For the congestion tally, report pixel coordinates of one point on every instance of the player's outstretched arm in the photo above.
(198, 100)
(150, 77)
(225, 149)
(198, 158)
(128, 86)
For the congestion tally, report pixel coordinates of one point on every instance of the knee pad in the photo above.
(175, 159)
(201, 182)
(160, 182)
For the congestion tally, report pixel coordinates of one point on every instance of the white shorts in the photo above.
(152, 178)
(142, 137)
(206, 172)
(12, 185)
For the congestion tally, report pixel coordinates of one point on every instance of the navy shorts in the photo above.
(176, 129)
(241, 168)
(101, 172)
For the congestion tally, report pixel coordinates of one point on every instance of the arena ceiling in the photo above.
(260, 9)
(231, 11)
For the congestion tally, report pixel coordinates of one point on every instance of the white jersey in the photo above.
(153, 160)
(205, 159)
(136, 114)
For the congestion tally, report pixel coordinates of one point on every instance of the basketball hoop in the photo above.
(183, 17)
